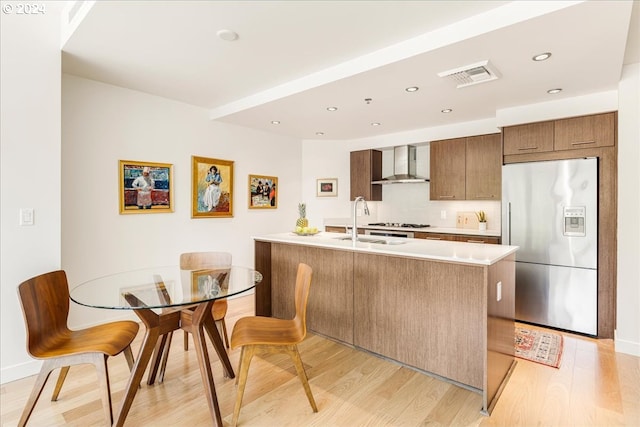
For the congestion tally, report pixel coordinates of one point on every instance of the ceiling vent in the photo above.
(468, 75)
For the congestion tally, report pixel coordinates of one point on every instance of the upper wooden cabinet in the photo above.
(585, 132)
(366, 166)
(466, 168)
(529, 138)
(447, 169)
(576, 133)
(484, 167)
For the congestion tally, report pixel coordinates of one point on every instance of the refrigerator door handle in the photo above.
(507, 224)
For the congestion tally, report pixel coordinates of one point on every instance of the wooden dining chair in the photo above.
(257, 334)
(45, 306)
(192, 261)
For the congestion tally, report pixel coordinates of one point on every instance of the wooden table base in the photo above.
(155, 338)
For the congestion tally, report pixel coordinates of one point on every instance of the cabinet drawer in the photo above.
(585, 132)
(435, 236)
(479, 239)
(529, 138)
(458, 238)
(331, 229)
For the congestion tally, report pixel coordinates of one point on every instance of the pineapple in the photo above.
(302, 221)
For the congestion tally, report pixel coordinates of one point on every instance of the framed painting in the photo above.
(145, 187)
(212, 188)
(210, 282)
(327, 187)
(263, 192)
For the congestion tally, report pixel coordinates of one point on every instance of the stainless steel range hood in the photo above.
(404, 167)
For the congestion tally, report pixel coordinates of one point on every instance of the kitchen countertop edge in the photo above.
(437, 250)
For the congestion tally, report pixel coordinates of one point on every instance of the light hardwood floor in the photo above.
(593, 387)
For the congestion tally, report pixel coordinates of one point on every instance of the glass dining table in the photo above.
(166, 299)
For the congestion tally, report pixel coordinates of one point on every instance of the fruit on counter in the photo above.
(306, 230)
(302, 221)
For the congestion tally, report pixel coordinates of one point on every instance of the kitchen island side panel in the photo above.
(330, 305)
(426, 314)
(262, 264)
(501, 291)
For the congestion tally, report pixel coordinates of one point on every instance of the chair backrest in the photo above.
(45, 306)
(303, 286)
(191, 260)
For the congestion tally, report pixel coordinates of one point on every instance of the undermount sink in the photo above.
(374, 240)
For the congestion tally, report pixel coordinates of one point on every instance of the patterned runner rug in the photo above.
(539, 346)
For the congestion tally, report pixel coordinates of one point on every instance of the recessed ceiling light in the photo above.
(412, 89)
(554, 91)
(375, 124)
(446, 110)
(332, 108)
(227, 35)
(542, 56)
(319, 133)
(275, 122)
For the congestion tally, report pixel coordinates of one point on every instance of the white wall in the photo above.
(30, 173)
(103, 124)
(628, 296)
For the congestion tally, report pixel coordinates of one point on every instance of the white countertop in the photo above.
(458, 252)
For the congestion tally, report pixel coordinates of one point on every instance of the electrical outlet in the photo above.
(443, 214)
(498, 291)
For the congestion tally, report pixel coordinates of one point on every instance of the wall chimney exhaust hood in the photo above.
(404, 167)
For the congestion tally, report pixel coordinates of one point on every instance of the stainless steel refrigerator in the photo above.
(549, 210)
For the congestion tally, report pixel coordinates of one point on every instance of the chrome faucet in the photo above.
(354, 230)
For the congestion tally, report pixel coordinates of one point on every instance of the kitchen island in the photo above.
(445, 308)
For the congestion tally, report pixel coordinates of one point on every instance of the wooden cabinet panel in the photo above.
(398, 301)
(366, 166)
(330, 306)
(434, 236)
(585, 132)
(447, 164)
(458, 238)
(331, 229)
(478, 239)
(484, 167)
(529, 138)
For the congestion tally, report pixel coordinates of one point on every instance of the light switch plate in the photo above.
(26, 216)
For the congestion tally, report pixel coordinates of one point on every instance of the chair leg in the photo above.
(165, 357)
(222, 327)
(158, 351)
(186, 341)
(100, 362)
(245, 360)
(41, 380)
(61, 377)
(297, 361)
(128, 355)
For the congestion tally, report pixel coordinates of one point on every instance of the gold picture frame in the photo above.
(263, 192)
(327, 187)
(212, 188)
(145, 187)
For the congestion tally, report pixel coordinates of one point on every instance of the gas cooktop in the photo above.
(398, 224)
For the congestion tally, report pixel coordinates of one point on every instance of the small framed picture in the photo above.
(212, 188)
(145, 187)
(263, 192)
(327, 187)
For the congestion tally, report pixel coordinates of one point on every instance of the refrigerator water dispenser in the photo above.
(574, 221)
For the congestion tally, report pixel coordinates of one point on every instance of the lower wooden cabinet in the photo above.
(333, 229)
(458, 238)
(330, 307)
